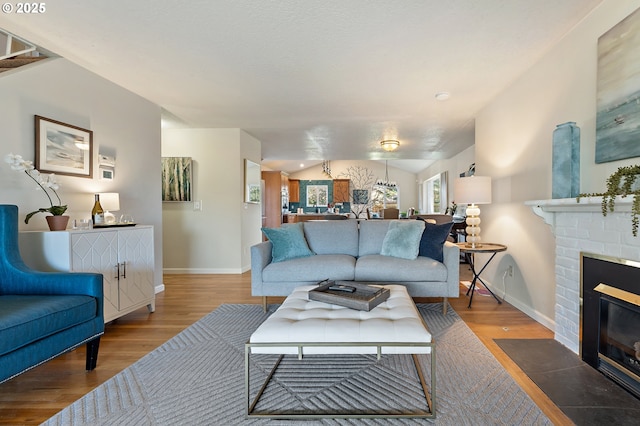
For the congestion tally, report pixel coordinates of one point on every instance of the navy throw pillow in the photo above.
(433, 238)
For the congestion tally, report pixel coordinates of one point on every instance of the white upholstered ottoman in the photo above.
(304, 327)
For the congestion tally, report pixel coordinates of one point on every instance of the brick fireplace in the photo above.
(578, 228)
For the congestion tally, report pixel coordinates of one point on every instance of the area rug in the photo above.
(197, 378)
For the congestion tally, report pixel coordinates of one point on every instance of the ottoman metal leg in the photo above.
(429, 396)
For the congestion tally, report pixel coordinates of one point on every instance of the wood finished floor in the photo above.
(33, 397)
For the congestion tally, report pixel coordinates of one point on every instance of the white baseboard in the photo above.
(538, 316)
(196, 271)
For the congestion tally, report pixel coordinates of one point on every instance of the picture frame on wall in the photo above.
(62, 148)
(618, 92)
(177, 177)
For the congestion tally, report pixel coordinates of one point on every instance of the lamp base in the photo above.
(109, 218)
(473, 230)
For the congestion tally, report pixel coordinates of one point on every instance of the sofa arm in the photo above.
(452, 262)
(260, 258)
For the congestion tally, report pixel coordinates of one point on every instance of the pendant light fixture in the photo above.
(386, 182)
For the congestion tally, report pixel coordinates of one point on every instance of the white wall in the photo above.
(513, 146)
(123, 124)
(216, 239)
(407, 184)
(453, 166)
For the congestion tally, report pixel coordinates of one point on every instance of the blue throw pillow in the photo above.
(403, 239)
(287, 242)
(433, 238)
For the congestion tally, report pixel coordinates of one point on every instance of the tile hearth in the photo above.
(586, 396)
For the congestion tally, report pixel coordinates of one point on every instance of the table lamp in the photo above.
(472, 190)
(110, 202)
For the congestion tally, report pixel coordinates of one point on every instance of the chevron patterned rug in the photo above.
(197, 378)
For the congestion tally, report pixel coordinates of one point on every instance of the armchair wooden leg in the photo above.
(445, 303)
(264, 303)
(92, 353)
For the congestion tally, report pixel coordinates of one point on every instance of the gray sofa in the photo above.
(349, 250)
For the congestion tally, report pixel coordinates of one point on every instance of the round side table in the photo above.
(480, 248)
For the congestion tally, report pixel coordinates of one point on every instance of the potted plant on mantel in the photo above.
(621, 182)
(56, 222)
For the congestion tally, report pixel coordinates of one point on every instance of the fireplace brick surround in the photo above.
(581, 227)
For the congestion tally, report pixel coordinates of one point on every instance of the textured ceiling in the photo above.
(311, 79)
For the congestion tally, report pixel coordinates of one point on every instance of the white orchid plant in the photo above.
(46, 182)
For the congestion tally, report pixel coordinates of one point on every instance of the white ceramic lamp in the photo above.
(473, 190)
(110, 202)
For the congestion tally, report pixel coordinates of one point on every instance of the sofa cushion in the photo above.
(378, 268)
(433, 239)
(372, 233)
(287, 242)
(27, 318)
(313, 268)
(403, 239)
(335, 237)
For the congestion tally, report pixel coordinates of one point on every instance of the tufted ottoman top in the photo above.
(300, 320)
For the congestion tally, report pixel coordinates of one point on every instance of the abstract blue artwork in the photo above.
(618, 96)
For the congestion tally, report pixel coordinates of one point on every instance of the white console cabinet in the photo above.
(123, 255)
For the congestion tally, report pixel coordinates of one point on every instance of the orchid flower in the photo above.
(44, 182)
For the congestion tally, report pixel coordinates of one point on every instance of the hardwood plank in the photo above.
(33, 397)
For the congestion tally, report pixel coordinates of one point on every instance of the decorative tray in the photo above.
(114, 225)
(362, 297)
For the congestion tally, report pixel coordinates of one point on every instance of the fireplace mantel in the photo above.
(580, 227)
(546, 209)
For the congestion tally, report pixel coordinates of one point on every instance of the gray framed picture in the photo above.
(177, 174)
(618, 93)
(63, 149)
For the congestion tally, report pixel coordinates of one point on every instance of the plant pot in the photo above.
(57, 223)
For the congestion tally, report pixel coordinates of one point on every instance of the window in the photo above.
(384, 197)
(317, 195)
(435, 193)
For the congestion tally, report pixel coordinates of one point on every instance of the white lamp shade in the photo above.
(110, 201)
(472, 190)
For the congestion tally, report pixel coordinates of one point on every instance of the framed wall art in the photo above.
(252, 178)
(618, 93)
(63, 149)
(177, 175)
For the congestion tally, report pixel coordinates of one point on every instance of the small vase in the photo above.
(57, 223)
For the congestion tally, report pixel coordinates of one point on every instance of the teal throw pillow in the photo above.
(288, 242)
(433, 238)
(403, 239)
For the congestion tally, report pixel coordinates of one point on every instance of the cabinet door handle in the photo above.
(117, 277)
(124, 269)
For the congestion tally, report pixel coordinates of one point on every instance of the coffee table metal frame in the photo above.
(429, 398)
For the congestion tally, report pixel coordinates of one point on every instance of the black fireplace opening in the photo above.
(611, 318)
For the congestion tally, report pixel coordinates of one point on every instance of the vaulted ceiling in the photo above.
(312, 79)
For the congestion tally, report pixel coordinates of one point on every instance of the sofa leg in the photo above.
(264, 303)
(92, 353)
(445, 303)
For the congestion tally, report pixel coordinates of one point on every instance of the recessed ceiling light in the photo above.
(301, 165)
(390, 144)
(442, 96)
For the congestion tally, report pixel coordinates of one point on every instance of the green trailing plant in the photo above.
(621, 182)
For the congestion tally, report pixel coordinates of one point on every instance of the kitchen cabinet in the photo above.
(341, 190)
(276, 195)
(123, 255)
(294, 190)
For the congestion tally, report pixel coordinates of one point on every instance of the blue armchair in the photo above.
(43, 314)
